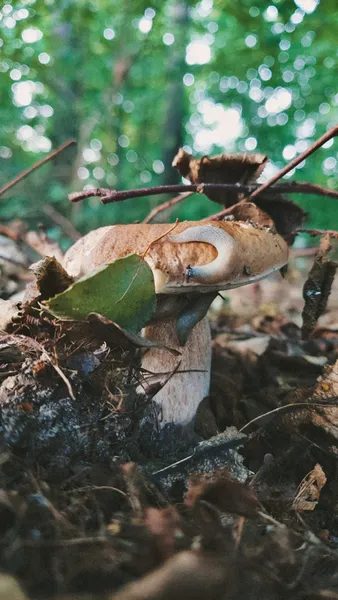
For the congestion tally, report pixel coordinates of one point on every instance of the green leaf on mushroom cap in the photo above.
(122, 291)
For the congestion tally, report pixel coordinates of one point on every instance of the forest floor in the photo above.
(92, 507)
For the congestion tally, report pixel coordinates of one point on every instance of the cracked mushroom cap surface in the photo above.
(191, 256)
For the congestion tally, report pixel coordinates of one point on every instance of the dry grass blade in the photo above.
(166, 206)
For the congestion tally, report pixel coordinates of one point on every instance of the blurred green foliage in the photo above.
(133, 81)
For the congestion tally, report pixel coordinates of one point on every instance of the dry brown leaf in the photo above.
(268, 209)
(308, 493)
(286, 214)
(222, 168)
(322, 411)
(327, 384)
(248, 211)
(326, 418)
(50, 279)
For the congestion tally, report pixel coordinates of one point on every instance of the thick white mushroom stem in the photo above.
(181, 395)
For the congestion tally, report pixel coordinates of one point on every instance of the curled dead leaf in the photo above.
(327, 384)
(308, 493)
(248, 211)
(51, 277)
(286, 214)
(222, 168)
(269, 209)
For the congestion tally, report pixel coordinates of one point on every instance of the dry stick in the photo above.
(304, 187)
(37, 165)
(166, 205)
(322, 140)
(223, 213)
(284, 408)
(301, 252)
(91, 193)
(12, 234)
(314, 232)
(62, 221)
(48, 358)
(159, 238)
(107, 196)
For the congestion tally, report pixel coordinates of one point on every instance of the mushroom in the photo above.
(190, 262)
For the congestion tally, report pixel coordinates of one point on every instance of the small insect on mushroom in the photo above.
(190, 265)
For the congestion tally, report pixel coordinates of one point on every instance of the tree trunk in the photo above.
(173, 132)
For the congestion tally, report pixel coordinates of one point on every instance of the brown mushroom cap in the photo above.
(235, 253)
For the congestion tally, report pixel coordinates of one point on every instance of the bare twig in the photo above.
(13, 232)
(301, 252)
(222, 213)
(296, 161)
(166, 205)
(66, 543)
(283, 408)
(93, 488)
(314, 232)
(62, 221)
(304, 187)
(48, 358)
(62, 375)
(160, 237)
(91, 193)
(107, 196)
(36, 166)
